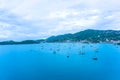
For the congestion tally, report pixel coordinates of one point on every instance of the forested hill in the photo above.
(88, 36)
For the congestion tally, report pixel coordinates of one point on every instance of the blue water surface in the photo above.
(60, 61)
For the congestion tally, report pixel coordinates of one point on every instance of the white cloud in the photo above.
(34, 19)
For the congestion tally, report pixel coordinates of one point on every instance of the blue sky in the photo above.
(36, 19)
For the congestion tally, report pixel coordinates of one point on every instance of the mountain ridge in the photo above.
(86, 36)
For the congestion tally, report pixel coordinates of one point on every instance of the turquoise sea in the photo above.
(60, 61)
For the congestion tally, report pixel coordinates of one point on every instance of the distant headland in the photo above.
(86, 36)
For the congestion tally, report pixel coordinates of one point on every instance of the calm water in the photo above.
(60, 61)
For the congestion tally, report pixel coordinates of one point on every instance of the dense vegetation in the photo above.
(87, 36)
(22, 42)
